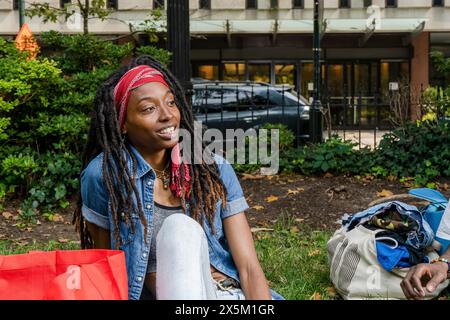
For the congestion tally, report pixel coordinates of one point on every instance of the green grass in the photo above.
(294, 259)
(295, 262)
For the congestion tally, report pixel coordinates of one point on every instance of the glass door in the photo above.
(336, 91)
(259, 72)
(364, 110)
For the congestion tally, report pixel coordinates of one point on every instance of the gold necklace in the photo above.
(164, 176)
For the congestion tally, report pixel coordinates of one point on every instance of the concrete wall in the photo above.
(230, 4)
(135, 5)
(132, 10)
(6, 5)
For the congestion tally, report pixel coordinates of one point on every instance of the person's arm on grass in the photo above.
(239, 236)
(414, 284)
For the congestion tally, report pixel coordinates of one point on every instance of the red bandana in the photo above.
(133, 79)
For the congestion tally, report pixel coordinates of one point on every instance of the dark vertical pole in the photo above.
(21, 13)
(178, 36)
(316, 114)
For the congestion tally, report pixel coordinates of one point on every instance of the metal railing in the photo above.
(243, 105)
(361, 118)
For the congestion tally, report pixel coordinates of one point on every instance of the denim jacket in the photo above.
(419, 239)
(97, 210)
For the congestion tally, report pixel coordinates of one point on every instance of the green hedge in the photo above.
(420, 151)
(45, 107)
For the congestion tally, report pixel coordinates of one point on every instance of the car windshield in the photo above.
(303, 100)
(228, 97)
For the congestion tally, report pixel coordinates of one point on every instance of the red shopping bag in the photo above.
(64, 275)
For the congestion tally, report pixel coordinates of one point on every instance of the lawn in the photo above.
(294, 260)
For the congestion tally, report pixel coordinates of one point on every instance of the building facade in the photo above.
(366, 45)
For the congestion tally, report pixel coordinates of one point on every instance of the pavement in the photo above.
(368, 138)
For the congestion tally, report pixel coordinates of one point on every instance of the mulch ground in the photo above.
(315, 203)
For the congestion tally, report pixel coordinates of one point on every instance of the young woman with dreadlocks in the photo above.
(180, 223)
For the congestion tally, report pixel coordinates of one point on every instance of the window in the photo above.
(268, 98)
(438, 3)
(391, 3)
(259, 72)
(205, 4)
(285, 74)
(273, 4)
(16, 5)
(298, 4)
(158, 4)
(207, 72)
(62, 3)
(215, 99)
(222, 97)
(234, 71)
(367, 3)
(344, 4)
(111, 4)
(393, 72)
(252, 4)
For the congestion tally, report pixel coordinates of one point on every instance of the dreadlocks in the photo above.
(105, 136)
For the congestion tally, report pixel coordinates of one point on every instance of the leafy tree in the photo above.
(45, 105)
(88, 9)
(441, 62)
(96, 9)
(22, 84)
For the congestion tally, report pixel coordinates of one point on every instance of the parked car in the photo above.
(243, 105)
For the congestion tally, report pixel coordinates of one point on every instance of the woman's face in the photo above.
(152, 119)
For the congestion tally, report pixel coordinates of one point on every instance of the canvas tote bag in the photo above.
(356, 272)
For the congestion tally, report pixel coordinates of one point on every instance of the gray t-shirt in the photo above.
(160, 214)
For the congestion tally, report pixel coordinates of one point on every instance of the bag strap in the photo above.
(367, 230)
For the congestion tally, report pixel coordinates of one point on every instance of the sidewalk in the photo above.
(368, 138)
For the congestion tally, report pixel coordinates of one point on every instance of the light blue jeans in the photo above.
(230, 294)
(183, 265)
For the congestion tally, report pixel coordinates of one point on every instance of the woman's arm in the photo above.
(239, 236)
(99, 235)
(425, 276)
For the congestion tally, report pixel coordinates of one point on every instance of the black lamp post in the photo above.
(315, 111)
(178, 37)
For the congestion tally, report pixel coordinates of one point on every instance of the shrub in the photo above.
(18, 170)
(286, 141)
(333, 156)
(45, 107)
(435, 102)
(25, 87)
(163, 56)
(420, 150)
(83, 53)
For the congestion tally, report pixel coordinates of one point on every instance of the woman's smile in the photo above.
(168, 132)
